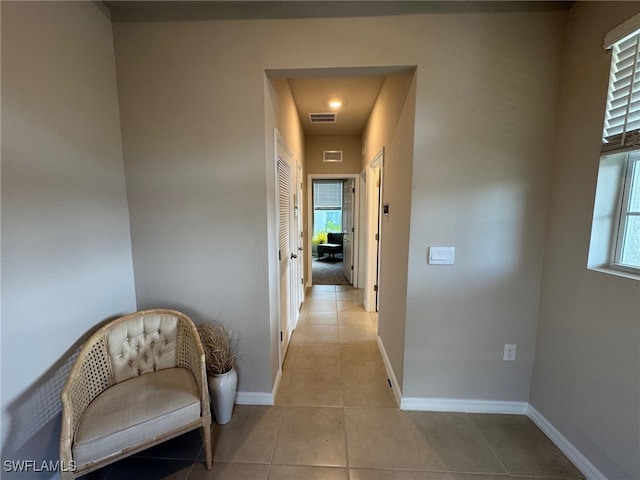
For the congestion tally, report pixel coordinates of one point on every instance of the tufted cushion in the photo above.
(141, 345)
(135, 411)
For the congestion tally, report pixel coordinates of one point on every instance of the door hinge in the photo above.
(353, 229)
(351, 267)
(353, 190)
(375, 288)
(281, 336)
(377, 237)
(279, 255)
(302, 281)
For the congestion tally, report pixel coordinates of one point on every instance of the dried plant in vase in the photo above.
(218, 344)
(220, 358)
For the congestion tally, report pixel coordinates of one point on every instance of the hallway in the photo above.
(333, 359)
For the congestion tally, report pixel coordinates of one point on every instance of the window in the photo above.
(615, 234)
(627, 249)
(327, 206)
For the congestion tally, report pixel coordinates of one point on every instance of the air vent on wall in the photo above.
(323, 117)
(332, 156)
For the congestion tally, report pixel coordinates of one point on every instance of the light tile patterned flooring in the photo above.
(336, 418)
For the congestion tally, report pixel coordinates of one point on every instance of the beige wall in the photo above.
(483, 143)
(286, 117)
(391, 126)
(66, 252)
(194, 142)
(586, 380)
(193, 113)
(350, 146)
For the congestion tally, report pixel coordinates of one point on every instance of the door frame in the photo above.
(356, 220)
(373, 219)
(351, 250)
(299, 241)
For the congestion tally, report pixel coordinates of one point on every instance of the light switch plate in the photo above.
(442, 255)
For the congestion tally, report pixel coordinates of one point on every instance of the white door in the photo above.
(348, 196)
(285, 252)
(374, 181)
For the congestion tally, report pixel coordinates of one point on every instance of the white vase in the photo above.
(222, 389)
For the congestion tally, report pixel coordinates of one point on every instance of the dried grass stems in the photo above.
(218, 344)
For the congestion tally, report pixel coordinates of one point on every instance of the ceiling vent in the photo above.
(323, 117)
(332, 156)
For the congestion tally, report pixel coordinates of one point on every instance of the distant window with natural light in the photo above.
(327, 208)
(615, 233)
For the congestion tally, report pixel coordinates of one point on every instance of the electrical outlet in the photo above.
(509, 352)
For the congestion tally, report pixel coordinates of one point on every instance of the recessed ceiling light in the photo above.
(335, 103)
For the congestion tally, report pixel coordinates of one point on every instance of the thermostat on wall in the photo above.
(442, 255)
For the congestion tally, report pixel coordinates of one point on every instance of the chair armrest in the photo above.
(91, 375)
(190, 355)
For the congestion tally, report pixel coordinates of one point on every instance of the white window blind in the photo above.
(327, 195)
(622, 119)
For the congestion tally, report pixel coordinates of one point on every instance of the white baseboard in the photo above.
(463, 405)
(390, 372)
(254, 398)
(582, 463)
(260, 398)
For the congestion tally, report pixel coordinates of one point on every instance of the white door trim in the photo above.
(356, 217)
(373, 226)
(299, 241)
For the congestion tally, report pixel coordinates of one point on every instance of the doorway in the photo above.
(373, 175)
(336, 120)
(333, 241)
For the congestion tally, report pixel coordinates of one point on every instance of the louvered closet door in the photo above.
(285, 219)
(284, 203)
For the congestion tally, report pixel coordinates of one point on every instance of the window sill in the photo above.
(618, 272)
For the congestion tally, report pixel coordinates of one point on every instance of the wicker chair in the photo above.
(138, 381)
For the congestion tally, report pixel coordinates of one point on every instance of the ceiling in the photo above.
(357, 94)
(134, 11)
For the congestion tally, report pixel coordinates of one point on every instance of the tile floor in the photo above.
(336, 418)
